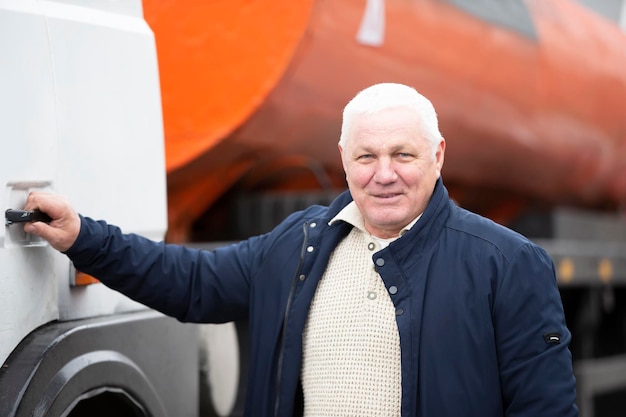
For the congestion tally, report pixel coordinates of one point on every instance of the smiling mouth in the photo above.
(387, 195)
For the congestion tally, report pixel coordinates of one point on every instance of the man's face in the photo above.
(390, 169)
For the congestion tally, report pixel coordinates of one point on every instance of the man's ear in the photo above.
(341, 156)
(439, 155)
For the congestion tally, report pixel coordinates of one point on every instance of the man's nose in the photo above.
(385, 171)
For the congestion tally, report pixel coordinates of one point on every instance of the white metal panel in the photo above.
(80, 115)
(110, 127)
(28, 158)
(120, 7)
(111, 150)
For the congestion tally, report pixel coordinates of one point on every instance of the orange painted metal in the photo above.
(218, 60)
(527, 120)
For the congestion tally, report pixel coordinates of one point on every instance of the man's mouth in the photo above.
(386, 195)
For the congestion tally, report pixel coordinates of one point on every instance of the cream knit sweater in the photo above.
(351, 346)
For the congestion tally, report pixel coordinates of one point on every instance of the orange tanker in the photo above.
(530, 96)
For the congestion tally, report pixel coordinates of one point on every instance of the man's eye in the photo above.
(365, 156)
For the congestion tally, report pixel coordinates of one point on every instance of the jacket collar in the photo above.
(422, 233)
(341, 201)
(427, 230)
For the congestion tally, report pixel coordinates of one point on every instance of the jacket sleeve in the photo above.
(189, 284)
(532, 339)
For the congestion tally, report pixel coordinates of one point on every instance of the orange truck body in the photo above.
(253, 92)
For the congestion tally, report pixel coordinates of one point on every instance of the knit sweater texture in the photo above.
(351, 344)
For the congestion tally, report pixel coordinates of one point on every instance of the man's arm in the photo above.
(532, 339)
(189, 284)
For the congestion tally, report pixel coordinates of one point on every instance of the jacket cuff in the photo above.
(88, 240)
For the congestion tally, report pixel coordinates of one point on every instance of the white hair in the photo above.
(385, 96)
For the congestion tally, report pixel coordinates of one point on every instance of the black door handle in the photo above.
(22, 216)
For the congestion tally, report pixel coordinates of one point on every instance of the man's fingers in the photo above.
(48, 203)
(64, 227)
(59, 239)
(31, 228)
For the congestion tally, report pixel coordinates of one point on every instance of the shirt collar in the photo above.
(351, 214)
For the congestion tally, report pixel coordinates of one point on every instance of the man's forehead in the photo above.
(389, 136)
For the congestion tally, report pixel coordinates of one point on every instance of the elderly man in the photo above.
(392, 301)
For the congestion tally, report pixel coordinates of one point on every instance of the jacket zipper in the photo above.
(292, 291)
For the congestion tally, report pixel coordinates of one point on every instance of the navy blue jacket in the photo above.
(481, 323)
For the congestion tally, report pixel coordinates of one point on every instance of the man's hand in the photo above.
(63, 230)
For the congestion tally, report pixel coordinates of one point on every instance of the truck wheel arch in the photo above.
(142, 363)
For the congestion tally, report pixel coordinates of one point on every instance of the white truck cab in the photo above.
(80, 115)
